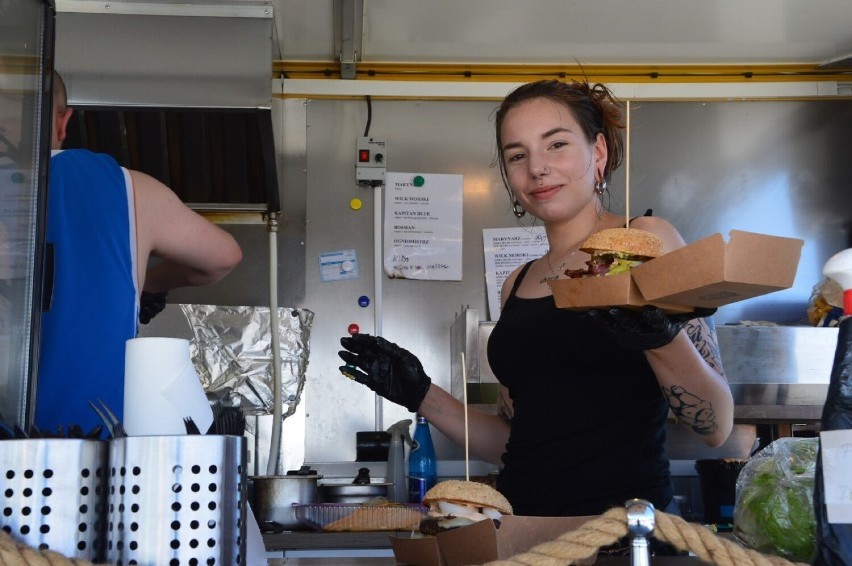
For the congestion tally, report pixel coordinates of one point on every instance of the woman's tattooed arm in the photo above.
(688, 408)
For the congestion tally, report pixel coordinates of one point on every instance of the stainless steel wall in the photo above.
(777, 167)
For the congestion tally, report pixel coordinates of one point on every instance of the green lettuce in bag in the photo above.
(773, 511)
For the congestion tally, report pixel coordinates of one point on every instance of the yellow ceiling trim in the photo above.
(19, 64)
(593, 73)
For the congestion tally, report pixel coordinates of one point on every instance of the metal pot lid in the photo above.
(356, 489)
(314, 477)
(303, 471)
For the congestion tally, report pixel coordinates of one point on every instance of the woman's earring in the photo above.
(600, 187)
(518, 210)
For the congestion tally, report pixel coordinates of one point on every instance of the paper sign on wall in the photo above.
(423, 226)
(506, 249)
(836, 453)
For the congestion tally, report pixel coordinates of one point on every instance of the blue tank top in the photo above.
(588, 429)
(91, 225)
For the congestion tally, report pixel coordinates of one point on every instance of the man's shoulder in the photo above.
(83, 156)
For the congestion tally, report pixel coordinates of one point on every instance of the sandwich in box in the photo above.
(707, 273)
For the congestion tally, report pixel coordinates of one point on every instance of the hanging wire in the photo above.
(369, 115)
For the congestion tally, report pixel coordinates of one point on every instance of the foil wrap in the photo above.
(231, 349)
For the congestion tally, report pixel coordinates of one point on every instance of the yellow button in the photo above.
(355, 204)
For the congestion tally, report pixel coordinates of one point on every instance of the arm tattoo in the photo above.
(696, 412)
(703, 336)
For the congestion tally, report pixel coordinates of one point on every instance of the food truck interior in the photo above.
(740, 120)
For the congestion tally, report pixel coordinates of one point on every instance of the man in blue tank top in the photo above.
(104, 223)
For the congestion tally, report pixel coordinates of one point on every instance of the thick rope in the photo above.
(580, 545)
(14, 553)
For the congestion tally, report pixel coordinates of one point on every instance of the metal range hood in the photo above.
(181, 91)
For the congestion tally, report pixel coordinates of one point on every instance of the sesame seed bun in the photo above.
(470, 492)
(639, 243)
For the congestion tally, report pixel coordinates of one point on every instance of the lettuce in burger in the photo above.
(617, 250)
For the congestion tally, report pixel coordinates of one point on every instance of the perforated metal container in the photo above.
(54, 493)
(177, 500)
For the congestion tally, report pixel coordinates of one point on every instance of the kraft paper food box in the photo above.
(482, 542)
(598, 292)
(707, 273)
(713, 273)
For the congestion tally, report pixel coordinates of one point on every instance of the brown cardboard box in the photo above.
(706, 273)
(712, 273)
(482, 542)
(597, 292)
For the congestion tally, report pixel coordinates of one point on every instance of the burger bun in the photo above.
(640, 244)
(455, 503)
(469, 493)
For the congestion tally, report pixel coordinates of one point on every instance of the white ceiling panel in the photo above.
(600, 32)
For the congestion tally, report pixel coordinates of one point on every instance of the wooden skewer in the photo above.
(464, 400)
(627, 165)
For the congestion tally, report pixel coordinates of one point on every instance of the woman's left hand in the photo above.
(646, 329)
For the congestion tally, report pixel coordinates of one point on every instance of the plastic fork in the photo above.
(191, 427)
(110, 420)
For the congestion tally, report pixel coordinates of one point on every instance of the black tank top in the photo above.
(588, 427)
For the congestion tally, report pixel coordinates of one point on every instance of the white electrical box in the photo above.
(370, 159)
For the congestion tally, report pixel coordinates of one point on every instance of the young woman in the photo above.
(584, 396)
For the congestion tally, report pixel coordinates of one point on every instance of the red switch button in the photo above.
(363, 156)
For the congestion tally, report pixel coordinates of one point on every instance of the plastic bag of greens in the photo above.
(773, 511)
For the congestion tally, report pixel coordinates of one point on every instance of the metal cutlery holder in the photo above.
(54, 493)
(177, 500)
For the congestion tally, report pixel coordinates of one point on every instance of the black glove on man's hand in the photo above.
(644, 329)
(393, 372)
(150, 305)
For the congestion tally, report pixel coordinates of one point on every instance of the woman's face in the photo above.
(550, 165)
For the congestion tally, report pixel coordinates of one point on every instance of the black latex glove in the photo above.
(644, 329)
(392, 372)
(150, 305)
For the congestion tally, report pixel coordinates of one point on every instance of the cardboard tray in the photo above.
(712, 273)
(600, 292)
(482, 542)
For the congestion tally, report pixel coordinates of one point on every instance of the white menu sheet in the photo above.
(505, 249)
(423, 226)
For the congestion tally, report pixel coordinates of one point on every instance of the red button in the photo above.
(354, 328)
(363, 155)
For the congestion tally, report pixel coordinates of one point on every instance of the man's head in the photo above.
(61, 112)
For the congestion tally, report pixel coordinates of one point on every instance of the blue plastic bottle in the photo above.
(422, 473)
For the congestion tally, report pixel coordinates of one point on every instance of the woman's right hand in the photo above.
(392, 372)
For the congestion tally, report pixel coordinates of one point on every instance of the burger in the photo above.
(455, 503)
(617, 250)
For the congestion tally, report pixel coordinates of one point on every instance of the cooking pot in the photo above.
(273, 498)
(352, 493)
